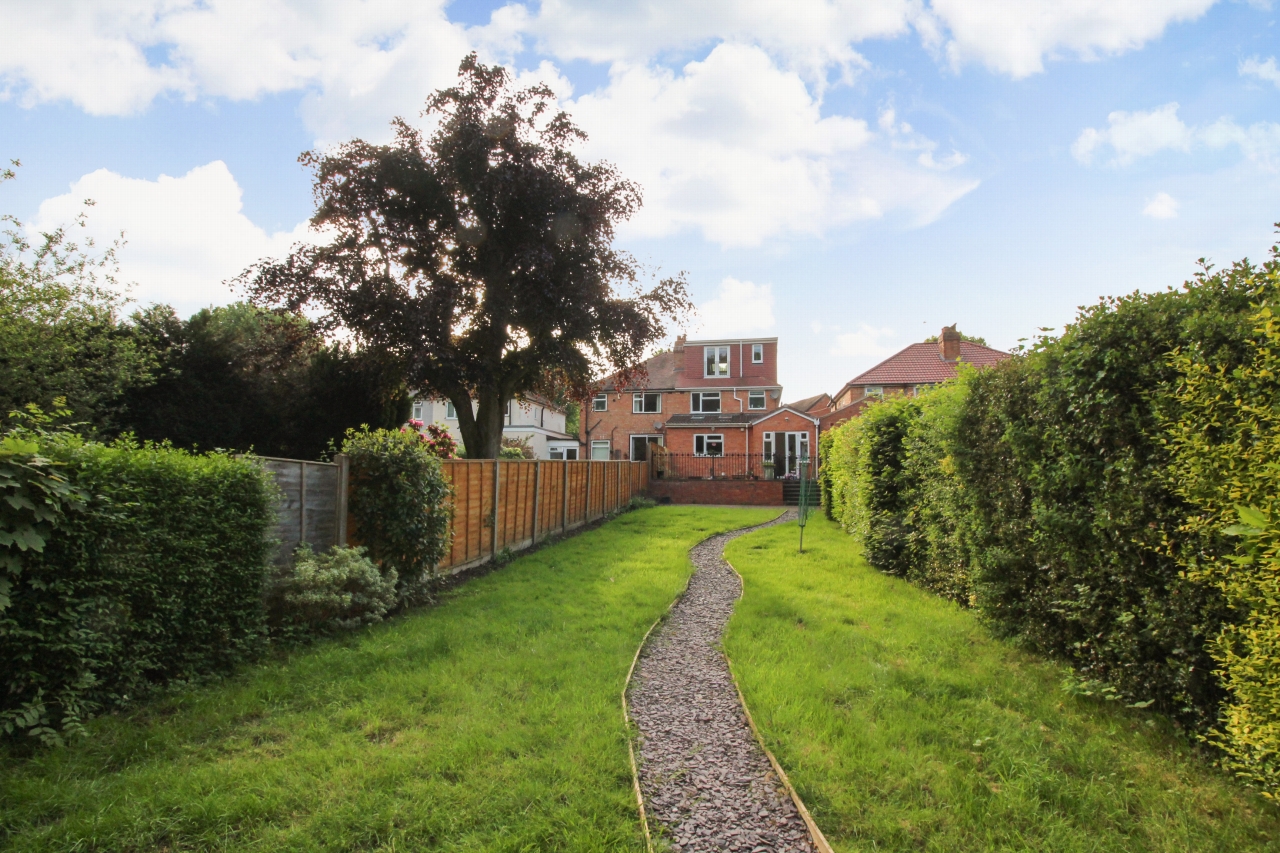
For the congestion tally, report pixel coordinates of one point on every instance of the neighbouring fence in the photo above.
(533, 499)
(311, 504)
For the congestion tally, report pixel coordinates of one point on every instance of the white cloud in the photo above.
(1162, 206)
(1267, 71)
(737, 148)
(739, 308)
(1142, 134)
(1015, 37)
(866, 341)
(185, 236)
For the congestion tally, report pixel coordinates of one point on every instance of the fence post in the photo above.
(344, 471)
(302, 504)
(586, 510)
(537, 499)
(497, 465)
(564, 509)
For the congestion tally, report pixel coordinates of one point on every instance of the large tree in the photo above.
(482, 258)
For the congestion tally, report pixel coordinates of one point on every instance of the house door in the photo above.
(796, 448)
(640, 446)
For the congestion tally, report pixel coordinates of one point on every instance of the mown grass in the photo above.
(905, 726)
(489, 722)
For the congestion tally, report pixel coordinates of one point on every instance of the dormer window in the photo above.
(716, 361)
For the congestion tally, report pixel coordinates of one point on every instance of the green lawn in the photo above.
(490, 722)
(905, 726)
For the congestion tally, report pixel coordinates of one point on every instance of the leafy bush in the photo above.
(400, 501)
(340, 589)
(516, 448)
(1226, 446)
(437, 439)
(149, 571)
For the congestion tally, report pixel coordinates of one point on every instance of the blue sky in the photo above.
(847, 176)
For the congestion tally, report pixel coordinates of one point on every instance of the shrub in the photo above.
(340, 589)
(154, 576)
(1226, 443)
(516, 448)
(400, 501)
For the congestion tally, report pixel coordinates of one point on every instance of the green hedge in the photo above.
(1060, 494)
(400, 502)
(149, 571)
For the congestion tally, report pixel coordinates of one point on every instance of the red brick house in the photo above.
(703, 398)
(907, 371)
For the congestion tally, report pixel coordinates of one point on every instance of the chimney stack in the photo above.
(679, 347)
(949, 343)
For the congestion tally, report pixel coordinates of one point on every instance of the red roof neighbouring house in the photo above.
(920, 364)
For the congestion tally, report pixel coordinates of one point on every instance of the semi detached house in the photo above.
(704, 398)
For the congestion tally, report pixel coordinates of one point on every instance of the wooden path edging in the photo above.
(815, 834)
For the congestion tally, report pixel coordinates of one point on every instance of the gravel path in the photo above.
(705, 781)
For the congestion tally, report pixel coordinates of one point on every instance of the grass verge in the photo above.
(489, 722)
(905, 726)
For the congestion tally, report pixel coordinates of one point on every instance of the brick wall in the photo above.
(730, 492)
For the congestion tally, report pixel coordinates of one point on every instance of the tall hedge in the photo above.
(1226, 446)
(1075, 495)
(150, 571)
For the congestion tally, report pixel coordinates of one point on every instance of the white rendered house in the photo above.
(532, 418)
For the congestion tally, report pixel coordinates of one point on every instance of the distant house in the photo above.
(703, 398)
(530, 417)
(907, 371)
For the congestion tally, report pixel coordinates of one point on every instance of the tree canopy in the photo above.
(482, 259)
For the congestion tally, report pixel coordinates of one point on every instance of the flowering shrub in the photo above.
(435, 438)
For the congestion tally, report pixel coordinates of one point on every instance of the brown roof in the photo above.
(922, 364)
(662, 371)
(811, 403)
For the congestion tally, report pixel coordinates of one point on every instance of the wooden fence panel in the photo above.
(311, 506)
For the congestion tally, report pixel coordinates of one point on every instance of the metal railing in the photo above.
(728, 466)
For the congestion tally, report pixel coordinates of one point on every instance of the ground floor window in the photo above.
(599, 450)
(708, 445)
(562, 453)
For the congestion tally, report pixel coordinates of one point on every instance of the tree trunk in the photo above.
(482, 431)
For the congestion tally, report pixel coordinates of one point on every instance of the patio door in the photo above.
(794, 447)
(640, 446)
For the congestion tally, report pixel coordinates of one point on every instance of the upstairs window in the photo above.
(450, 413)
(648, 403)
(600, 403)
(419, 410)
(873, 391)
(717, 361)
(705, 401)
(755, 399)
(757, 353)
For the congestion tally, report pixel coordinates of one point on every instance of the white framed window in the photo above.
(873, 391)
(648, 403)
(600, 403)
(600, 450)
(419, 410)
(708, 445)
(755, 399)
(757, 353)
(704, 401)
(450, 413)
(716, 361)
